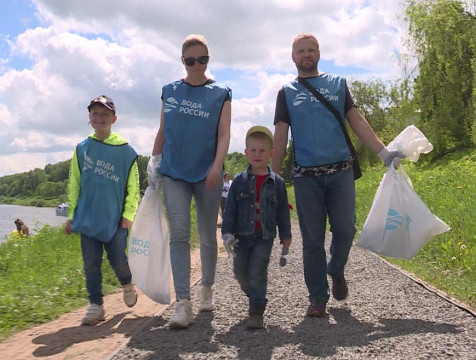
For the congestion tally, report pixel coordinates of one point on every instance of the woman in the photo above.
(190, 149)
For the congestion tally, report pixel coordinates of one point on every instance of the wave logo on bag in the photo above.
(394, 220)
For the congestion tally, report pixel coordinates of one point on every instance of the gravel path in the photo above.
(386, 316)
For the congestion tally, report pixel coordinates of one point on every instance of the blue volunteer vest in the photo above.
(104, 173)
(317, 136)
(191, 118)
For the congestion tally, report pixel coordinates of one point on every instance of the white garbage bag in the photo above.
(399, 223)
(411, 142)
(149, 248)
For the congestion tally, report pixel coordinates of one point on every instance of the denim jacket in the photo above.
(240, 210)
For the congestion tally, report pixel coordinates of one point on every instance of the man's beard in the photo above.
(309, 66)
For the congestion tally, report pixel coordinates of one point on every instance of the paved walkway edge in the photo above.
(429, 287)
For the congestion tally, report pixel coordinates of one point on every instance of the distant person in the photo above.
(224, 193)
(103, 195)
(22, 229)
(257, 203)
(322, 169)
(188, 155)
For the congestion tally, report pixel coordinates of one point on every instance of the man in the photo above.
(322, 168)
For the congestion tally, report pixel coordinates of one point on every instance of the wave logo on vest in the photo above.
(170, 104)
(395, 220)
(88, 163)
(300, 97)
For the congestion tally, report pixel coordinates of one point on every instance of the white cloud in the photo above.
(7, 120)
(21, 162)
(129, 50)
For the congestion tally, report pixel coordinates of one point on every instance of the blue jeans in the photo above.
(92, 250)
(251, 269)
(317, 197)
(177, 199)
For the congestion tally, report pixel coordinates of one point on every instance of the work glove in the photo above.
(154, 177)
(387, 156)
(229, 242)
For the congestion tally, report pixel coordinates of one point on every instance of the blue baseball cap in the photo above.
(105, 101)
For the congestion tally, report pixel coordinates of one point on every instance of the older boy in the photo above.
(103, 194)
(257, 202)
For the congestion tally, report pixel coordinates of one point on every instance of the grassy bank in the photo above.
(30, 201)
(42, 276)
(448, 261)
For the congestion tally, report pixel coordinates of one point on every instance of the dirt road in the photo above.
(387, 316)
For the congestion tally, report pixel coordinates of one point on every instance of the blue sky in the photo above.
(56, 55)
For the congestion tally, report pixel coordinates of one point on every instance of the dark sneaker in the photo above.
(317, 309)
(254, 322)
(340, 291)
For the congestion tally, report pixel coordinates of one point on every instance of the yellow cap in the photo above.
(260, 129)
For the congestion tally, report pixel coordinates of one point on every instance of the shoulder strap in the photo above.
(332, 109)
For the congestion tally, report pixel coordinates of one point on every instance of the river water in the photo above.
(33, 217)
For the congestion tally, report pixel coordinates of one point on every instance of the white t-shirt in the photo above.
(226, 187)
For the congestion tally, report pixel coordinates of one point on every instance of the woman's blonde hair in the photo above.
(194, 39)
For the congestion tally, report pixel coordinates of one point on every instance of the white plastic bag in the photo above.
(411, 142)
(399, 223)
(149, 248)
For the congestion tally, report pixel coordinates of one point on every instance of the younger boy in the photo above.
(103, 194)
(257, 202)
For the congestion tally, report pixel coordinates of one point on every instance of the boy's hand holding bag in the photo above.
(149, 248)
(399, 223)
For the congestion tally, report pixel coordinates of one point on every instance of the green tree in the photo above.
(51, 190)
(15, 187)
(58, 172)
(372, 99)
(33, 179)
(235, 163)
(443, 37)
(403, 111)
(288, 162)
(387, 106)
(142, 162)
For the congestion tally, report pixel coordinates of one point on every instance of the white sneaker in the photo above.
(94, 314)
(129, 294)
(206, 299)
(183, 316)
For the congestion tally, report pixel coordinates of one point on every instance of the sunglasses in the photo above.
(190, 61)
